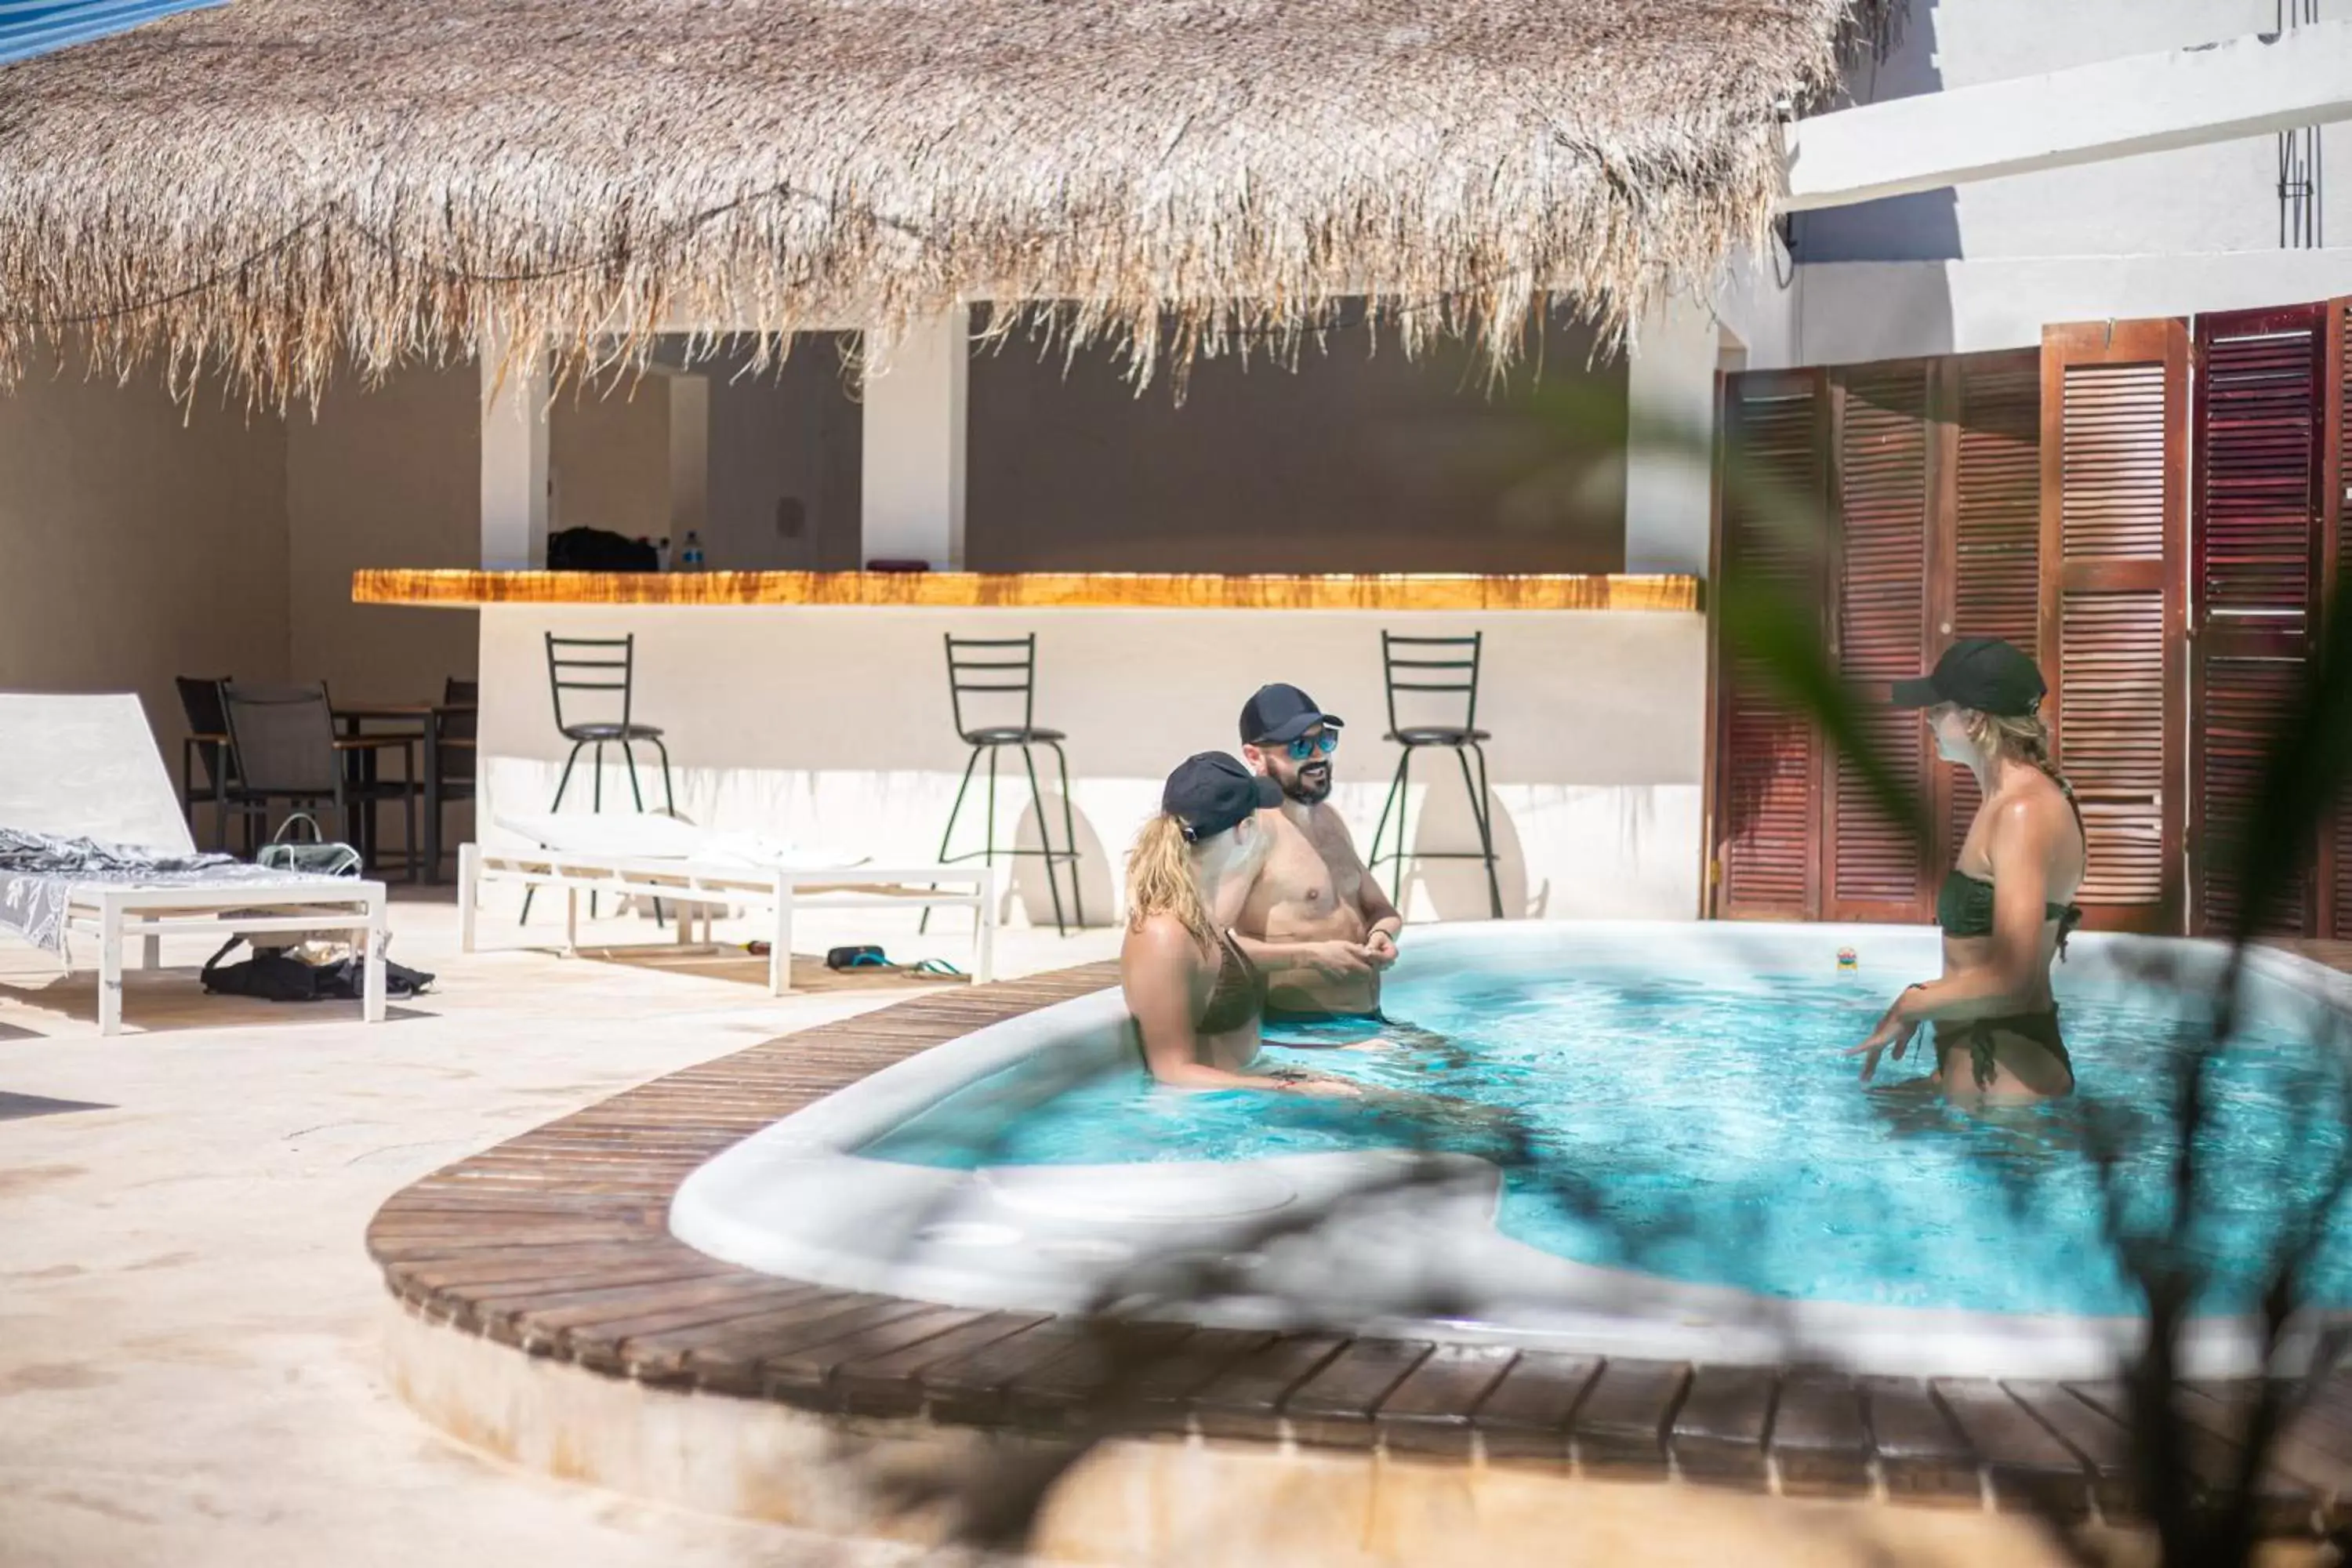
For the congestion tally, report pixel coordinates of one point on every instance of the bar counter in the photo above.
(1032, 590)
(815, 708)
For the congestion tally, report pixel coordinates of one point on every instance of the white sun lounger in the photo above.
(87, 767)
(646, 854)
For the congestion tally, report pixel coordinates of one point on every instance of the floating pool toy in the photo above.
(1847, 960)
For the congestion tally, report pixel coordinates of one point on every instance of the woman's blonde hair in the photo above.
(2024, 735)
(1160, 880)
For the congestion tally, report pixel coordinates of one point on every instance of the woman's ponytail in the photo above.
(1160, 880)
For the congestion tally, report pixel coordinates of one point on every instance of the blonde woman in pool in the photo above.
(1195, 997)
(2007, 907)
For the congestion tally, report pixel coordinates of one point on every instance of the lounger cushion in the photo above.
(650, 836)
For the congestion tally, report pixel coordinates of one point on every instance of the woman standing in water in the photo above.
(1195, 997)
(2008, 906)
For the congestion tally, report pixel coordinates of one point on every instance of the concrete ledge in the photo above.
(742, 1458)
(1139, 1501)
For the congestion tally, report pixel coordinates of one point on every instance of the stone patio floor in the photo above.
(189, 1360)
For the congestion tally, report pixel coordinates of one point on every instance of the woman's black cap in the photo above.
(1211, 792)
(1983, 673)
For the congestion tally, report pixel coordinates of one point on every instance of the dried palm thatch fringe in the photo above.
(278, 187)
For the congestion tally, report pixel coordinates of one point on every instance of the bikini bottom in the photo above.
(1979, 1036)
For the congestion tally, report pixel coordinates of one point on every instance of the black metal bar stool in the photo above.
(996, 670)
(600, 665)
(1448, 668)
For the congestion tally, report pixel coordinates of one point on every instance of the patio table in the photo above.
(407, 723)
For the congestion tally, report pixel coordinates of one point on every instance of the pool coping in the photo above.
(557, 1244)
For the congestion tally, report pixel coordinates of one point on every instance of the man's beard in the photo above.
(1309, 786)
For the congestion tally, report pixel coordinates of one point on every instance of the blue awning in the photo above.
(29, 27)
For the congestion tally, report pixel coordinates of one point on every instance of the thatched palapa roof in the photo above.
(277, 186)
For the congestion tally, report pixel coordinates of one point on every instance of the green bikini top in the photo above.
(1964, 908)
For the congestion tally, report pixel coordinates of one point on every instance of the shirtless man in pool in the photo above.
(1315, 920)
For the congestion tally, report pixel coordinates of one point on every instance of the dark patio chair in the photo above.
(455, 730)
(207, 750)
(287, 754)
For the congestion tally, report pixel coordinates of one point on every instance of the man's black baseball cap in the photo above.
(1281, 713)
(1208, 793)
(1983, 673)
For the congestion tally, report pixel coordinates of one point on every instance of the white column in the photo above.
(514, 461)
(912, 490)
(689, 456)
(1669, 448)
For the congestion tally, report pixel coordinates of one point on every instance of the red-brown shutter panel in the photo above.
(2335, 513)
(1880, 599)
(2255, 562)
(2114, 493)
(1768, 821)
(1996, 525)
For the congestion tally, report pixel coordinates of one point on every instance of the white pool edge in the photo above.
(795, 1201)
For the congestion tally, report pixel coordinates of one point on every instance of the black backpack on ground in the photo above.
(270, 974)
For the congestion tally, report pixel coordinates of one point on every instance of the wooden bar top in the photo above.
(1031, 590)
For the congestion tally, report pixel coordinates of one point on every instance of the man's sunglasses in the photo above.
(1307, 746)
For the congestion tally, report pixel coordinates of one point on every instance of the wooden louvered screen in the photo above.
(2115, 482)
(1996, 510)
(2335, 880)
(1923, 478)
(1767, 852)
(1879, 618)
(2256, 560)
(2056, 500)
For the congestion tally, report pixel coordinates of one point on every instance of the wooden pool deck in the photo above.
(557, 1244)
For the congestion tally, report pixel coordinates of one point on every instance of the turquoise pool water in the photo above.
(1713, 1134)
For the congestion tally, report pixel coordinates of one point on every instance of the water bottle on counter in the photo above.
(690, 555)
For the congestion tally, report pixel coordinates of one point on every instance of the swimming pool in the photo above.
(1640, 1137)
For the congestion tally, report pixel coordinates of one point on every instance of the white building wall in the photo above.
(384, 476)
(1852, 312)
(784, 457)
(1359, 457)
(2197, 199)
(608, 449)
(139, 541)
(1987, 264)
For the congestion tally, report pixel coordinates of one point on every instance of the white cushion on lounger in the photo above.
(87, 767)
(651, 836)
